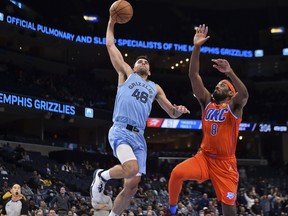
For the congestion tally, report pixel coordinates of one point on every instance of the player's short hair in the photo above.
(142, 57)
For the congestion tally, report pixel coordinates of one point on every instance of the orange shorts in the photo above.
(222, 172)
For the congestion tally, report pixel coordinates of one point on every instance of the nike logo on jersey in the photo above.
(216, 115)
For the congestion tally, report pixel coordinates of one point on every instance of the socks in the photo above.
(172, 209)
(113, 214)
(105, 175)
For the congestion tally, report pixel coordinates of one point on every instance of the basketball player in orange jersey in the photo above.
(221, 115)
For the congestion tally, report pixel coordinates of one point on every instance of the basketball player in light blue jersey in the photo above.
(133, 104)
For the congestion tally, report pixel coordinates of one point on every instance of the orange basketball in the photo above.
(121, 11)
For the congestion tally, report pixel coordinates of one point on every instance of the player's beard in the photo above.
(218, 96)
(142, 71)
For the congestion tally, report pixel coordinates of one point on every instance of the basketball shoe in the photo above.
(97, 187)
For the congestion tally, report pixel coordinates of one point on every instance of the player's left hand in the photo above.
(222, 65)
(181, 109)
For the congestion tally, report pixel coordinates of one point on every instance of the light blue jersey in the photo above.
(134, 100)
(133, 105)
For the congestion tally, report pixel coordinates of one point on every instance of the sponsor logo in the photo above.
(154, 122)
(230, 195)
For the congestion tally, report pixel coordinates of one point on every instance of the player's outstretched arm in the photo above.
(174, 111)
(199, 90)
(242, 95)
(122, 68)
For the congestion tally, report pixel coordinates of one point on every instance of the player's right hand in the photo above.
(201, 35)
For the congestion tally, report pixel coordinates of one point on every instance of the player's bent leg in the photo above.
(191, 169)
(224, 178)
(126, 170)
(129, 165)
(229, 210)
(175, 184)
(129, 190)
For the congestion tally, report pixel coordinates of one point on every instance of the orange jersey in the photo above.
(220, 130)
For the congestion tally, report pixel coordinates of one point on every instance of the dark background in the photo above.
(86, 71)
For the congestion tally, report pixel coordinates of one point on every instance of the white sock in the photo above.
(105, 175)
(112, 214)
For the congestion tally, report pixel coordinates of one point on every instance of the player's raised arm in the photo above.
(122, 68)
(240, 99)
(199, 90)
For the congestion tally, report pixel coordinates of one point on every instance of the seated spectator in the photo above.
(104, 206)
(61, 202)
(92, 211)
(26, 190)
(7, 148)
(190, 210)
(24, 157)
(139, 211)
(66, 167)
(47, 171)
(141, 193)
(242, 210)
(203, 201)
(87, 167)
(52, 212)
(250, 199)
(3, 170)
(43, 207)
(131, 213)
(83, 210)
(34, 182)
(32, 207)
(149, 210)
(5, 187)
(182, 209)
(74, 168)
(39, 212)
(256, 209)
(74, 211)
(19, 149)
(55, 169)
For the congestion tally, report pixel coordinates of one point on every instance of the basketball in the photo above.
(121, 11)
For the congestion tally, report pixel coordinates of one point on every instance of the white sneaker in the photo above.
(97, 187)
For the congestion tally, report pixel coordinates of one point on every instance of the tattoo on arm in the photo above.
(176, 113)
